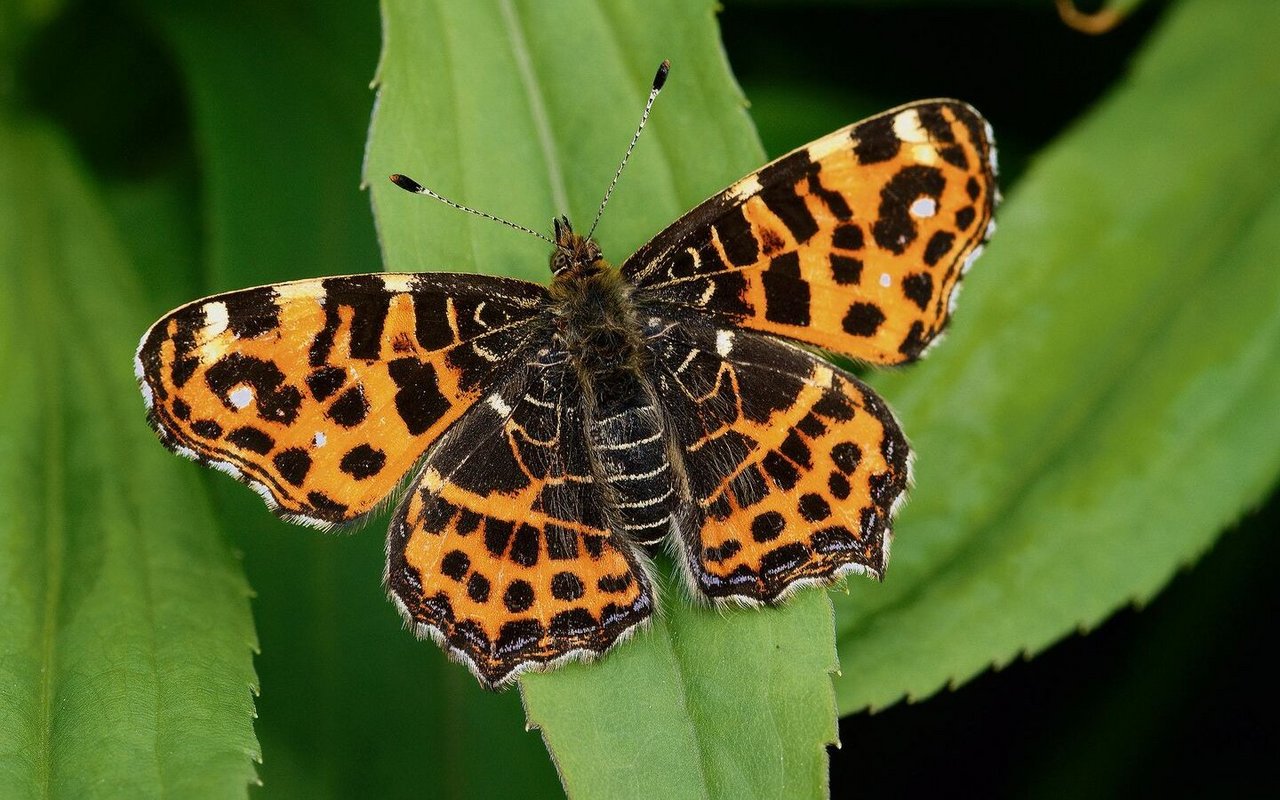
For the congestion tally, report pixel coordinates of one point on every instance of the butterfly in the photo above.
(553, 436)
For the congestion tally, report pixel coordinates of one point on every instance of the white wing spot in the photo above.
(827, 145)
(498, 404)
(319, 440)
(924, 207)
(724, 342)
(240, 397)
(294, 290)
(398, 282)
(431, 480)
(907, 127)
(215, 318)
(746, 187)
(885, 280)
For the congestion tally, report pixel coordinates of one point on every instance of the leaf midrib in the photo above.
(54, 518)
(537, 106)
(678, 657)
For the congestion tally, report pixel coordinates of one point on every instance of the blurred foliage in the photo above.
(1105, 405)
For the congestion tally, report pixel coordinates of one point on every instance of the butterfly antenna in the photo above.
(410, 185)
(658, 80)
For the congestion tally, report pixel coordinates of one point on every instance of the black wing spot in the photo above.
(814, 508)
(363, 461)
(862, 319)
(768, 526)
(786, 295)
(567, 586)
(918, 288)
(939, 245)
(894, 228)
(455, 564)
(739, 243)
(727, 550)
(518, 597)
(846, 270)
(252, 439)
(418, 398)
(351, 407)
(324, 381)
(252, 312)
(293, 465)
(206, 429)
(478, 588)
(848, 237)
(524, 551)
(875, 141)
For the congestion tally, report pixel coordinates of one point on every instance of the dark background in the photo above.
(1177, 698)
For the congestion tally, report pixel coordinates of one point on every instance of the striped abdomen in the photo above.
(628, 441)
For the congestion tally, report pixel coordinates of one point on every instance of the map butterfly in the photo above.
(556, 434)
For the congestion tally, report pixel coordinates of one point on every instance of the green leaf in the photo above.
(125, 657)
(487, 104)
(1106, 403)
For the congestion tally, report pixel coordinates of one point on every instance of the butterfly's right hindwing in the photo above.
(795, 467)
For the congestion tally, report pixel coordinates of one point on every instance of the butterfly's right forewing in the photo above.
(855, 243)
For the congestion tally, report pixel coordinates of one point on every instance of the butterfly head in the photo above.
(575, 256)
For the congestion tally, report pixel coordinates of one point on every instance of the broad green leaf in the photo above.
(523, 110)
(1106, 403)
(125, 652)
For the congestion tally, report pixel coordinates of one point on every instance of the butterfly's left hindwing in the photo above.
(855, 243)
(322, 394)
(501, 550)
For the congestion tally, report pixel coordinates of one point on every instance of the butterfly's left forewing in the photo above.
(322, 394)
(855, 243)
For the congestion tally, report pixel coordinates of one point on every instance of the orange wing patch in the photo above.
(813, 503)
(795, 467)
(502, 552)
(855, 243)
(321, 395)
